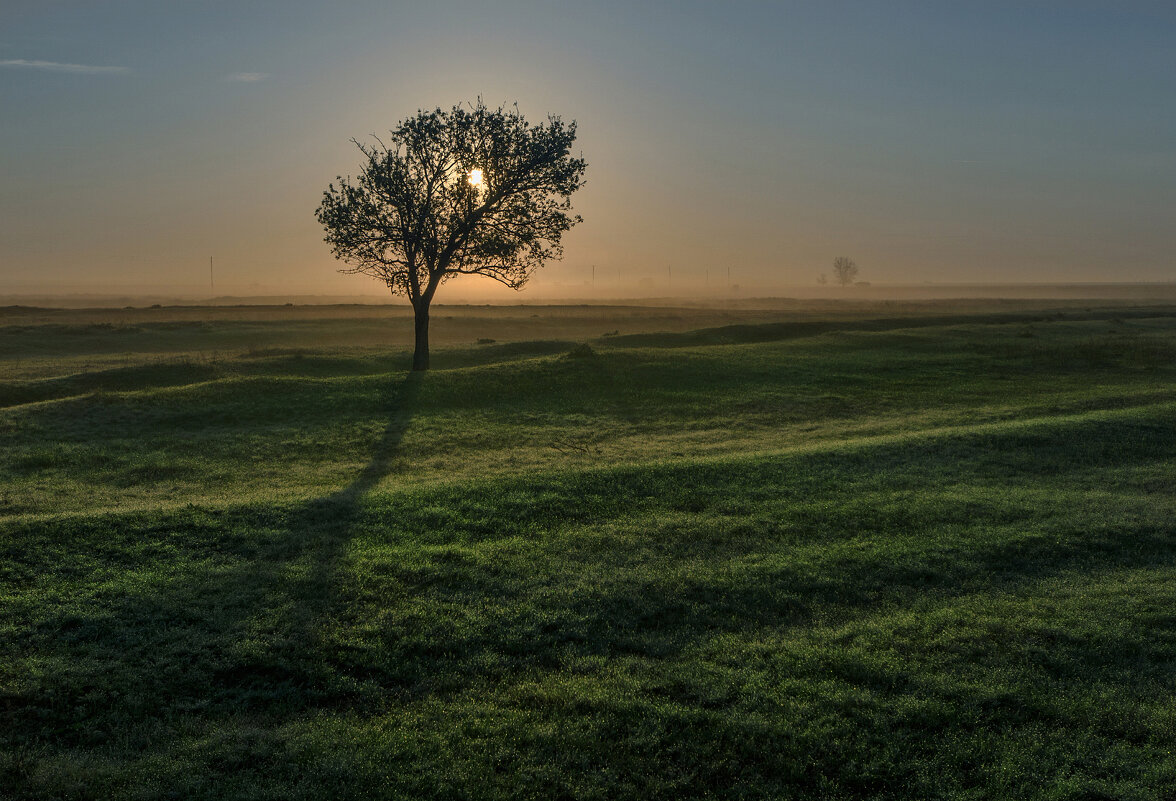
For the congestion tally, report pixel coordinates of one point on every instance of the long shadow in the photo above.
(317, 534)
(333, 517)
(384, 451)
(228, 581)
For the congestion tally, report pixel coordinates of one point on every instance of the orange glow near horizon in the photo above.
(762, 137)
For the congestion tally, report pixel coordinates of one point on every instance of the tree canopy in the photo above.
(469, 191)
(845, 270)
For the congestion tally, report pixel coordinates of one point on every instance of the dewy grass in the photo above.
(935, 562)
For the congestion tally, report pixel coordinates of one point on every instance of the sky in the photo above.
(733, 142)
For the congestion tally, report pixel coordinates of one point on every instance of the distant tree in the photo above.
(471, 191)
(844, 270)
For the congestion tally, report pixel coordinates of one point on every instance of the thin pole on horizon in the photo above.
(211, 282)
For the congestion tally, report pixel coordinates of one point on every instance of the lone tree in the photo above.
(471, 191)
(844, 270)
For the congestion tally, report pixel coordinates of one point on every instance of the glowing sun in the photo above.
(475, 177)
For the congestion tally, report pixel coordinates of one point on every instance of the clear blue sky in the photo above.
(931, 141)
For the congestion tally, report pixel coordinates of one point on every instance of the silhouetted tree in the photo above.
(472, 191)
(844, 270)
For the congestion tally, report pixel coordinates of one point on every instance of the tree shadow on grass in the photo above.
(222, 615)
(316, 540)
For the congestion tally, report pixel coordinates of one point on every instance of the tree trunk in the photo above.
(420, 356)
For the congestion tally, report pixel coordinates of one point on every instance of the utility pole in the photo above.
(211, 282)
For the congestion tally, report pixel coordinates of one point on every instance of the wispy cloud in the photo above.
(247, 77)
(57, 66)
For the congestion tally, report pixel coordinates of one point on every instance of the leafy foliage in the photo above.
(414, 217)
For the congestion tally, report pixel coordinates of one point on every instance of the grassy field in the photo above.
(840, 551)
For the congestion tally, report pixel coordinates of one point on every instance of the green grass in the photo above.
(883, 558)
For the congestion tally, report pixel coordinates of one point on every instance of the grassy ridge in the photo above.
(292, 425)
(929, 564)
